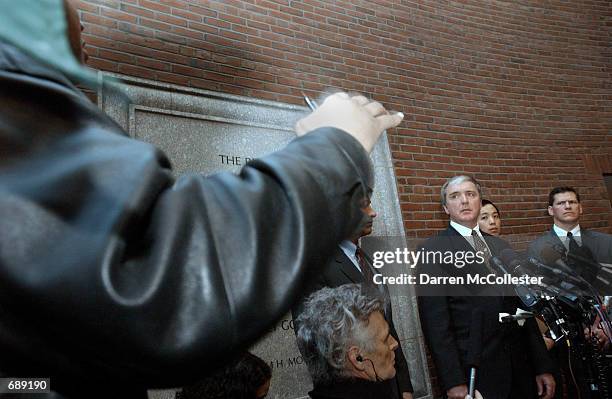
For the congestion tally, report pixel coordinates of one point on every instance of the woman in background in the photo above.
(489, 220)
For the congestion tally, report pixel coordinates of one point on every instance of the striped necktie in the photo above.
(480, 246)
(368, 275)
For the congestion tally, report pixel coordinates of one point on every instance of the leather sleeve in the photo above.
(111, 269)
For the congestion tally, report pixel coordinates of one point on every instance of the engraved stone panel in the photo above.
(206, 132)
(213, 142)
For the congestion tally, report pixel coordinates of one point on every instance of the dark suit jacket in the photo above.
(599, 244)
(511, 355)
(340, 271)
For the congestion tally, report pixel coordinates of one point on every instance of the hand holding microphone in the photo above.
(477, 395)
(460, 392)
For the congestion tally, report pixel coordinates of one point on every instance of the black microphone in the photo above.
(475, 347)
(563, 285)
(543, 306)
(555, 255)
(515, 264)
(588, 260)
(499, 264)
(529, 295)
(519, 270)
(591, 267)
(554, 320)
(510, 258)
(557, 272)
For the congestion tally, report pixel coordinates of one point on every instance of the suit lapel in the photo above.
(494, 244)
(457, 241)
(586, 243)
(554, 238)
(346, 267)
(587, 240)
(460, 243)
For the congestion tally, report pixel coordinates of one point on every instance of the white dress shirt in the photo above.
(466, 232)
(563, 235)
(349, 248)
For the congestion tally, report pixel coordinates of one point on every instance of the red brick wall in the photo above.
(516, 93)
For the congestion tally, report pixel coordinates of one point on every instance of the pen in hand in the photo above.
(311, 103)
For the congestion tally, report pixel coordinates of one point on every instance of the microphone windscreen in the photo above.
(508, 255)
(550, 255)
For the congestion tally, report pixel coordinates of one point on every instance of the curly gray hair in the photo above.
(333, 320)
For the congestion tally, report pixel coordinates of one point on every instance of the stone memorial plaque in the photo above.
(207, 132)
(215, 143)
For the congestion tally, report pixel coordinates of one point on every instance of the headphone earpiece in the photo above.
(359, 358)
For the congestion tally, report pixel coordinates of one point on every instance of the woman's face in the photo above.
(489, 220)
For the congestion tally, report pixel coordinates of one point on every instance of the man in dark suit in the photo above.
(568, 237)
(565, 208)
(351, 265)
(512, 355)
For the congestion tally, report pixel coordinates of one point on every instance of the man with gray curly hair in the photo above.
(346, 344)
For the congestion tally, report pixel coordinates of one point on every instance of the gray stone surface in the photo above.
(206, 132)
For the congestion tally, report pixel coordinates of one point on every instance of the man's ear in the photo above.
(550, 210)
(353, 354)
(445, 209)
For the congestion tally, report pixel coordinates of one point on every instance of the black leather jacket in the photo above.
(114, 274)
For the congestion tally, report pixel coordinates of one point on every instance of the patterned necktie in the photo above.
(573, 246)
(368, 275)
(480, 246)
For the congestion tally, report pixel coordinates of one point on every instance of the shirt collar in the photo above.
(348, 246)
(563, 234)
(464, 231)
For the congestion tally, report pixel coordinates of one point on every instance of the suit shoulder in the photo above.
(497, 240)
(440, 239)
(598, 235)
(540, 240)
(542, 237)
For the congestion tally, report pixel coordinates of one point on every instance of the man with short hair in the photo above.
(511, 355)
(351, 264)
(566, 234)
(566, 238)
(347, 344)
